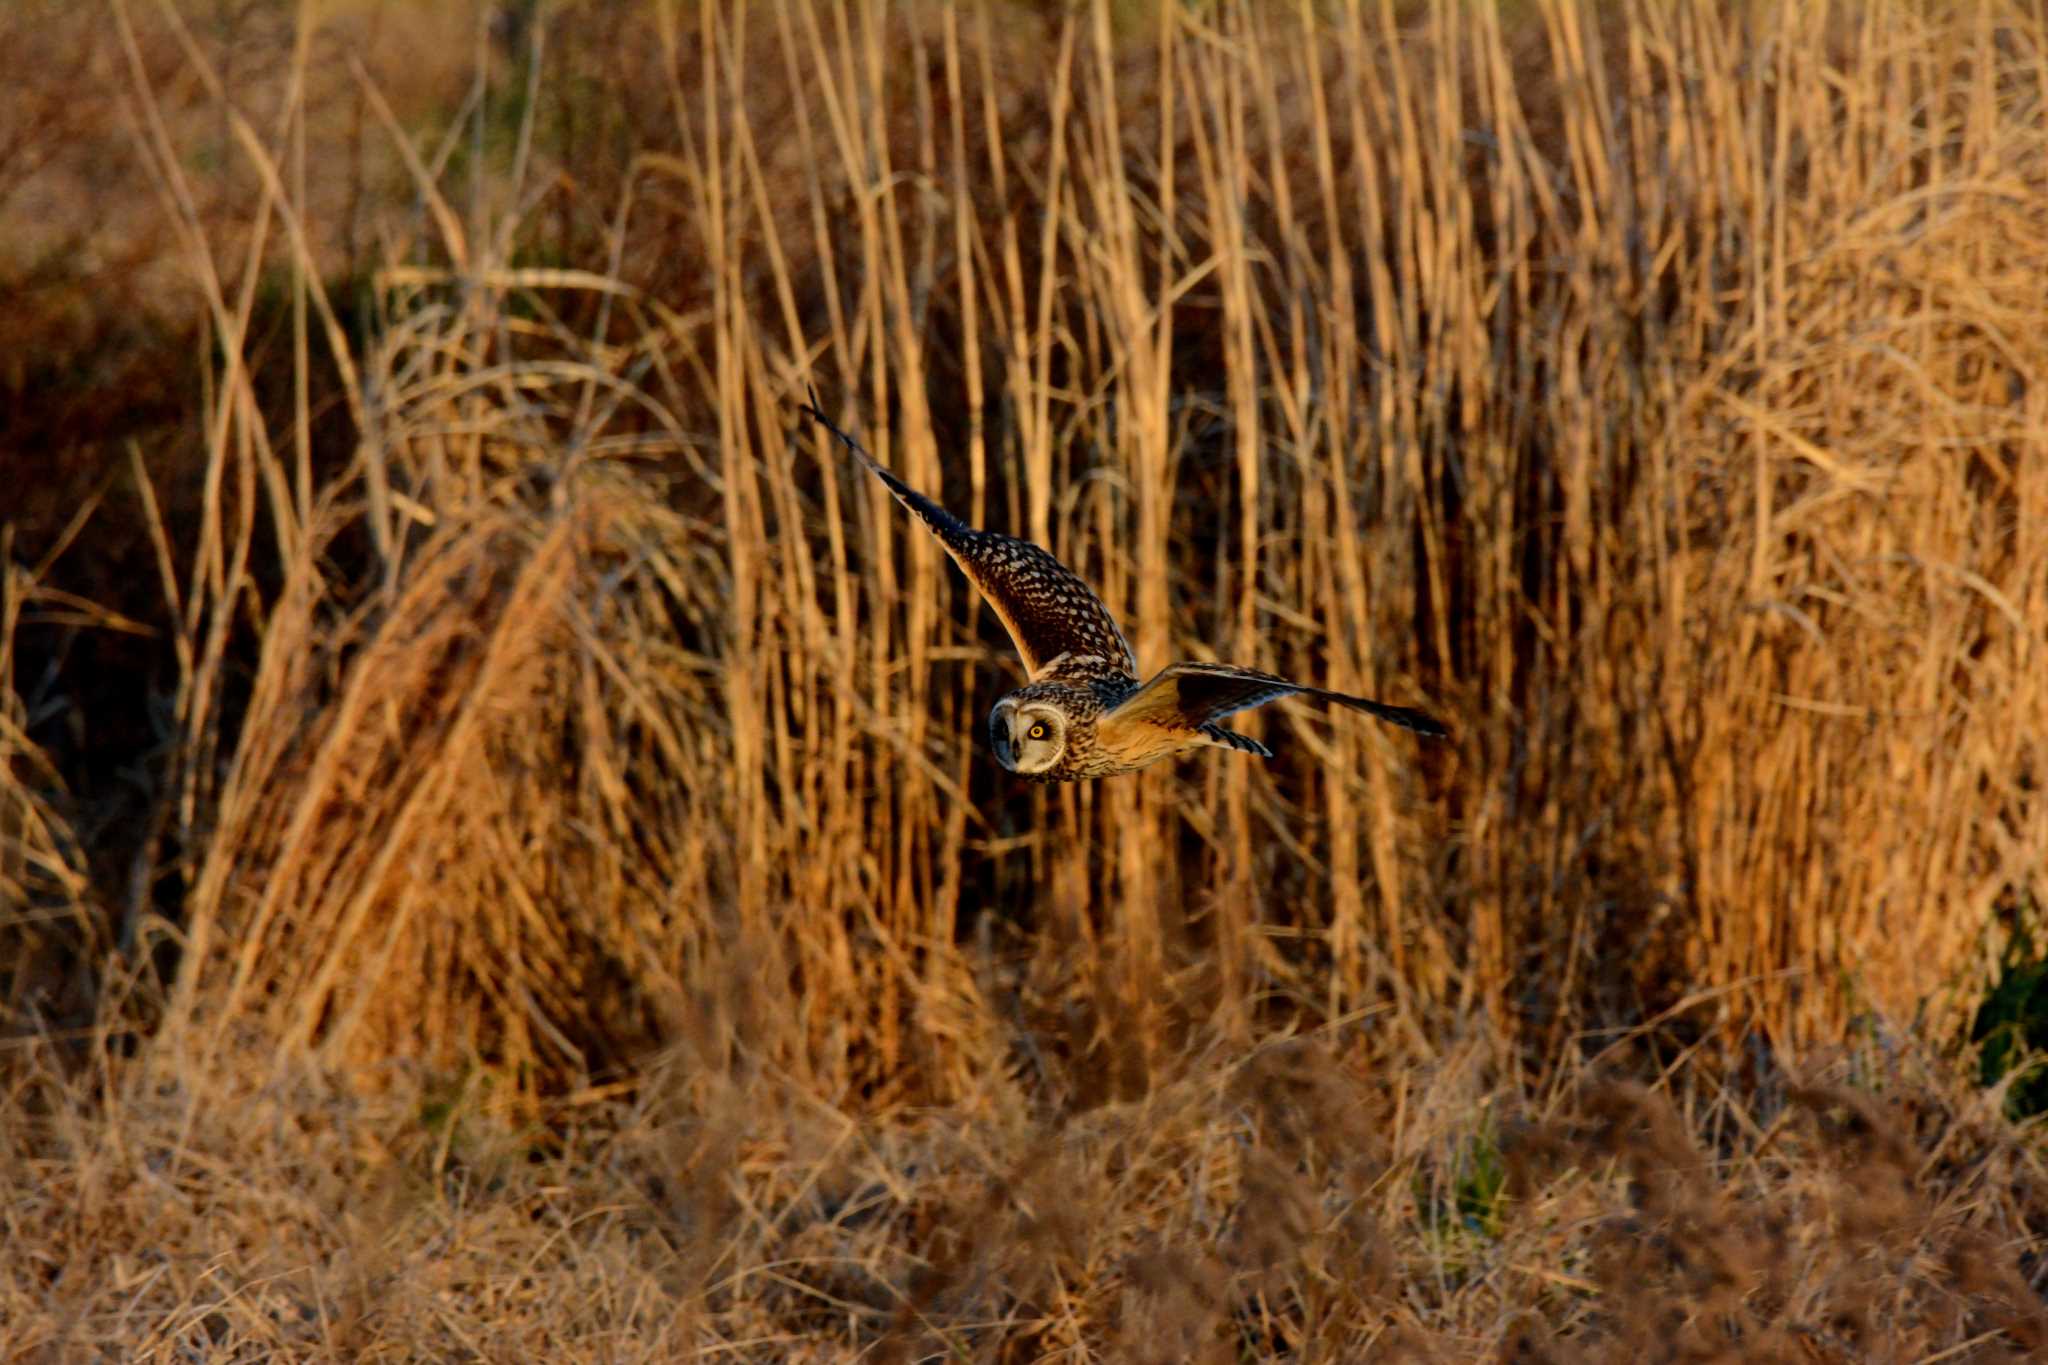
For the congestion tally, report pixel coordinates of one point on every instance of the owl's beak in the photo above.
(999, 738)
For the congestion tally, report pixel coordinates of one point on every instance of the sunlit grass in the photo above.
(555, 900)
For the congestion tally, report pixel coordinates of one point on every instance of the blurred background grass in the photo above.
(451, 710)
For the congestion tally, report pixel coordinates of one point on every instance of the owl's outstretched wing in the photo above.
(1052, 616)
(1193, 696)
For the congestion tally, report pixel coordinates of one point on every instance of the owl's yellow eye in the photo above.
(1036, 732)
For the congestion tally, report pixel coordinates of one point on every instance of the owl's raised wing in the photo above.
(1052, 616)
(1191, 696)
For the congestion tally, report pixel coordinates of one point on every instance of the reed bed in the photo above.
(549, 894)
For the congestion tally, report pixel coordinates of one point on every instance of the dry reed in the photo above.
(564, 815)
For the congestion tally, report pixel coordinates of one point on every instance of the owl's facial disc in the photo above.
(1027, 737)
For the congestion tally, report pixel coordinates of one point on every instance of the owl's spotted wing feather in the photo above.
(1051, 615)
(1193, 696)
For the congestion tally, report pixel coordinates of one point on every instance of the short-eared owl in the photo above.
(1085, 713)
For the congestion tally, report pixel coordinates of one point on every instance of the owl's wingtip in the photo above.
(810, 407)
(1422, 723)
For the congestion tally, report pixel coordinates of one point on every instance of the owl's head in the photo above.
(1028, 736)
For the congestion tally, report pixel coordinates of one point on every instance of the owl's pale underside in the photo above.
(1084, 712)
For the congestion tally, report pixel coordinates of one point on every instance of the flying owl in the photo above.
(1085, 712)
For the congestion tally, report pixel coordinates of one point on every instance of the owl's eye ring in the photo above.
(1037, 731)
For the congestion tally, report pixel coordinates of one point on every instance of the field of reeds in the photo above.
(498, 857)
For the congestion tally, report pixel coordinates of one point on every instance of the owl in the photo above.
(1085, 711)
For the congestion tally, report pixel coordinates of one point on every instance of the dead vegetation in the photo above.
(1298, 1198)
(494, 855)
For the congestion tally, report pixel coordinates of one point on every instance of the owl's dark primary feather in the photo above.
(1193, 696)
(1055, 620)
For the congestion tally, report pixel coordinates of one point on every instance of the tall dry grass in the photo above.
(1627, 389)
(1652, 391)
